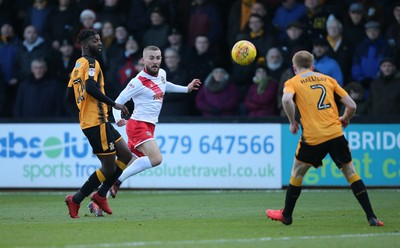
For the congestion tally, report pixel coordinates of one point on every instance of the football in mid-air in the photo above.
(243, 52)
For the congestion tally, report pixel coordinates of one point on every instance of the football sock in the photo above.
(91, 184)
(360, 192)
(292, 194)
(110, 181)
(137, 166)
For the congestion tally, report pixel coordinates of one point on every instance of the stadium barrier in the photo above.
(228, 154)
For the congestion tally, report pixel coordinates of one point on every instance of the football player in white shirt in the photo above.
(146, 90)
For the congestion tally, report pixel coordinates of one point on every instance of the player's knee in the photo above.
(156, 160)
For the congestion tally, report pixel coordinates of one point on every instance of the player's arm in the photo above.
(94, 91)
(349, 111)
(128, 93)
(194, 85)
(290, 110)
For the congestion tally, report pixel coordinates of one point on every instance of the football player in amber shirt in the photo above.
(314, 95)
(87, 82)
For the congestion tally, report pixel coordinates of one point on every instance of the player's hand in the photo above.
(194, 85)
(345, 122)
(294, 127)
(122, 107)
(121, 122)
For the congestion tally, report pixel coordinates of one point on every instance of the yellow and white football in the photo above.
(243, 52)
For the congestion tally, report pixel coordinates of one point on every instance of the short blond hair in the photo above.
(303, 60)
(151, 48)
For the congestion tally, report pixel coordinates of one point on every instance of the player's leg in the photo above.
(306, 156)
(361, 194)
(102, 142)
(142, 144)
(341, 155)
(124, 159)
(284, 215)
(152, 157)
(294, 189)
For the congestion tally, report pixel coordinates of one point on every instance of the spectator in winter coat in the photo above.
(325, 64)
(385, 90)
(261, 97)
(369, 54)
(39, 95)
(219, 96)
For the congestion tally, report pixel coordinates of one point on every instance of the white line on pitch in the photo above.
(225, 241)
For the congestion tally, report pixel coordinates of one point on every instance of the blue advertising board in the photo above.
(376, 156)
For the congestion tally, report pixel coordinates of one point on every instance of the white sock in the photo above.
(137, 166)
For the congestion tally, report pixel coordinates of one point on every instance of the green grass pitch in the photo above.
(204, 219)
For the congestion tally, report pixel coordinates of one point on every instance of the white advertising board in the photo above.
(195, 156)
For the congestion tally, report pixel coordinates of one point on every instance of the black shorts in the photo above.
(338, 149)
(102, 138)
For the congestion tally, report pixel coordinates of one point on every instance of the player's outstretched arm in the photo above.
(194, 85)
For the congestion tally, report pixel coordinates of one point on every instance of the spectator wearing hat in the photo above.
(384, 96)
(260, 99)
(324, 63)
(289, 12)
(368, 55)
(341, 50)
(393, 32)
(87, 20)
(157, 34)
(296, 41)
(219, 96)
(353, 25)
(175, 41)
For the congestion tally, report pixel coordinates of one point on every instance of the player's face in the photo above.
(152, 61)
(94, 45)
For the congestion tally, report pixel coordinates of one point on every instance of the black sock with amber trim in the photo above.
(292, 194)
(109, 182)
(360, 192)
(89, 186)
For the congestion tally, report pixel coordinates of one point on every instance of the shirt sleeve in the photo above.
(129, 92)
(288, 87)
(338, 89)
(176, 88)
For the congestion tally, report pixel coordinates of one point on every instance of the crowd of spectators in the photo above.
(355, 41)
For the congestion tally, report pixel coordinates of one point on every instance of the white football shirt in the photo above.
(147, 93)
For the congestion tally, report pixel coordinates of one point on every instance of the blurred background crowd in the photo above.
(356, 42)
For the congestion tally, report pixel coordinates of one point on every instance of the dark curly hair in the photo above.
(84, 34)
